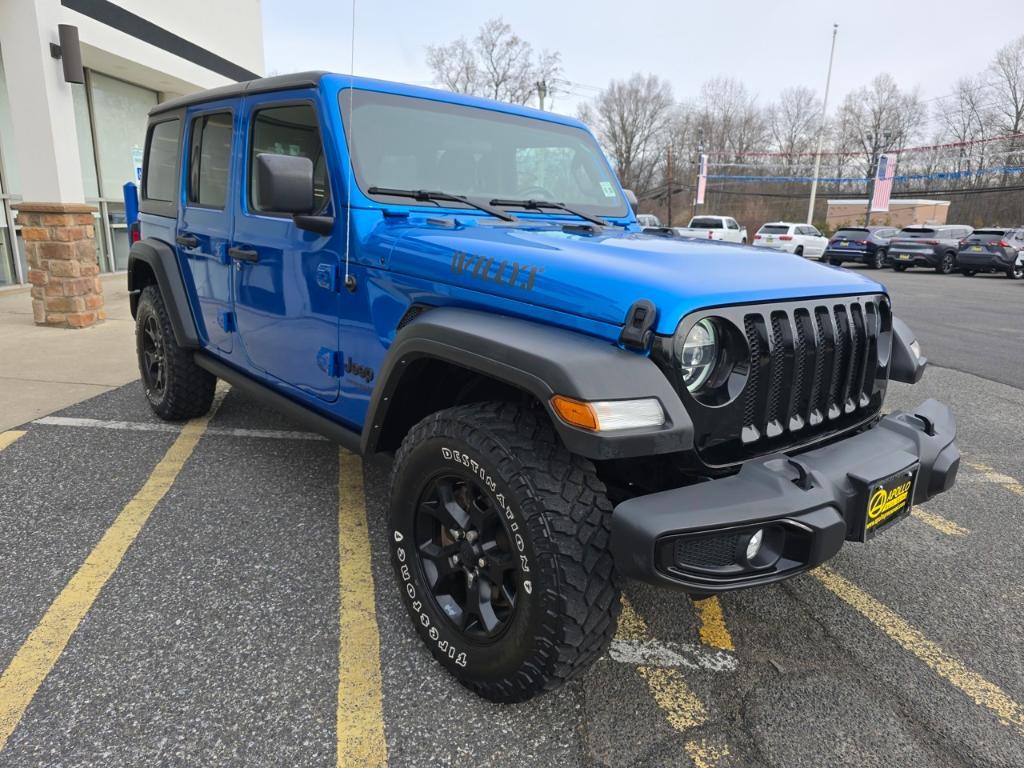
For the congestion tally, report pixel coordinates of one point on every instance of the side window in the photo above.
(161, 181)
(731, 223)
(289, 130)
(803, 230)
(209, 160)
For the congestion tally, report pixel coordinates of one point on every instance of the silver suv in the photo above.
(934, 246)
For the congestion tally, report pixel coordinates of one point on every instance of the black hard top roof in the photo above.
(261, 85)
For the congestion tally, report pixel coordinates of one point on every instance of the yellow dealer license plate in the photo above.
(889, 501)
(904, 257)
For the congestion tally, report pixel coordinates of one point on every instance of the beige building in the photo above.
(902, 213)
(68, 147)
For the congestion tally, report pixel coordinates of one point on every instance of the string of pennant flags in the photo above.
(937, 176)
(847, 153)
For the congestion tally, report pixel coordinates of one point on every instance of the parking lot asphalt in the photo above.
(173, 595)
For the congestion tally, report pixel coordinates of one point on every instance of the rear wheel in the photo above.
(176, 387)
(799, 250)
(878, 261)
(968, 272)
(948, 263)
(500, 543)
(836, 262)
(900, 267)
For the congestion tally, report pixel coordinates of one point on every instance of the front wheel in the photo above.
(500, 543)
(948, 263)
(1016, 272)
(878, 261)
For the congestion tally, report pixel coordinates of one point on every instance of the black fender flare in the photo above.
(906, 366)
(162, 262)
(543, 361)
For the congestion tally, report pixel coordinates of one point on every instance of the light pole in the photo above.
(700, 151)
(821, 128)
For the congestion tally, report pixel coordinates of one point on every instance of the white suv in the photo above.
(801, 239)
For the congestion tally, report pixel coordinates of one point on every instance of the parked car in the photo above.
(801, 239)
(993, 249)
(714, 228)
(867, 245)
(566, 403)
(934, 246)
(648, 220)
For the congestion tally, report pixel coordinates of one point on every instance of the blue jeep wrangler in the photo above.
(568, 401)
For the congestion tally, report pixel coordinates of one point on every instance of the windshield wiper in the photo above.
(538, 205)
(427, 196)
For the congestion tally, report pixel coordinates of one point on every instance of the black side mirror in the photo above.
(284, 184)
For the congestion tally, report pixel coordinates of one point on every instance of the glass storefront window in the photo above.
(120, 113)
(83, 129)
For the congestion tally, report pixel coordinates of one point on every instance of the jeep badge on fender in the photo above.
(568, 401)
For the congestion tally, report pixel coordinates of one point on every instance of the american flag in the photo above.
(883, 183)
(702, 179)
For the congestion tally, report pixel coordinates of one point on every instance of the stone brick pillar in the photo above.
(60, 247)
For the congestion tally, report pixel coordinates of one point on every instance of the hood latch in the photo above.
(637, 332)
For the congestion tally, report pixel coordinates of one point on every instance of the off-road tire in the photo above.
(187, 389)
(566, 587)
(947, 265)
(880, 259)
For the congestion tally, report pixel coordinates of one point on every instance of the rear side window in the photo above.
(161, 180)
(289, 130)
(706, 223)
(210, 160)
(775, 229)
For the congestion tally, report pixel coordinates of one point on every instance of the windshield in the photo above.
(706, 223)
(774, 229)
(403, 142)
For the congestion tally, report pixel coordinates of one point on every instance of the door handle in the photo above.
(186, 241)
(243, 254)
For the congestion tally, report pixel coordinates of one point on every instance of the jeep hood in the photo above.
(599, 276)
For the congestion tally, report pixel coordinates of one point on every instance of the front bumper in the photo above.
(809, 504)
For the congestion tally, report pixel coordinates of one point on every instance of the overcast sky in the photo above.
(768, 46)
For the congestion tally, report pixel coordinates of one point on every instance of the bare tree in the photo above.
(630, 118)
(1007, 71)
(497, 64)
(793, 123)
(730, 118)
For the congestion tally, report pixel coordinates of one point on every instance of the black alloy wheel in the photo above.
(154, 351)
(466, 556)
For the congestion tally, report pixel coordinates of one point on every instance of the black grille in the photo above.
(817, 372)
(706, 552)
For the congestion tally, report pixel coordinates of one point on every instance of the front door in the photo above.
(286, 296)
(204, 226)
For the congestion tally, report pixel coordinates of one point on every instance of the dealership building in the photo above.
(67, 149)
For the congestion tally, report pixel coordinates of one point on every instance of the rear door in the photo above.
(205, 221)
(287, 302)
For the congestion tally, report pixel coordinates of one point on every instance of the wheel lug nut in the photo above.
(471, 536)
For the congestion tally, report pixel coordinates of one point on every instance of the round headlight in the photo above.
(699, 355)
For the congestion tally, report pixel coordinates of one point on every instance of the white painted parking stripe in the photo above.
(149, 426)
(654, 653)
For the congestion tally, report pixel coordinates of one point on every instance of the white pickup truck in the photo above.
(714, 228)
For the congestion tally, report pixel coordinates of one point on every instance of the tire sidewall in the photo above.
(536, 581)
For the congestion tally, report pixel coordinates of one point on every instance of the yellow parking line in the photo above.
(977, 688)
(682, 708)
(704, 754)
(712, 629)
(6, 438)
(1010, 483)
(360, 716)
(40, 651)
(938, 522)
